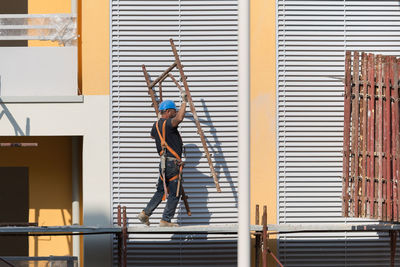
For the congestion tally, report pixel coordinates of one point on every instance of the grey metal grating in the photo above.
(205, 33)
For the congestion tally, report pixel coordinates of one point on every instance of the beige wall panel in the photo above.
(93, 28)
(89, 119)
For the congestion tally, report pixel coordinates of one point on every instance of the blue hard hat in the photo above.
(167, 104)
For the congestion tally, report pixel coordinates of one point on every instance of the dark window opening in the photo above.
(14, 208)
(14, 7)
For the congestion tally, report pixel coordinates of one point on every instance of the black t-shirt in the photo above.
(172, 137)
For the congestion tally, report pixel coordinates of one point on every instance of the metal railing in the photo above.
(61, 28)
(53, 261)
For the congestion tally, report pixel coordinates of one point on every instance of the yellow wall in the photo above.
(49, 187)
(262, 78)
(93, 44)
(262, 97)
(49, 6)
(95, 47)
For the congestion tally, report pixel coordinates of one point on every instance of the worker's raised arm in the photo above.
(180, 115)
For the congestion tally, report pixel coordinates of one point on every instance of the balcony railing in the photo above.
(46, 27)
(43, 70)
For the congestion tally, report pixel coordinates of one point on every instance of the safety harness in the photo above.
(163, 158)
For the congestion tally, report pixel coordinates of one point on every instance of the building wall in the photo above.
(94, 73)
(49, 187)
(263, 109)
(313, 41)
(205, 34)
(263, 105)
(93, 43)
(95, 47)
(90, 120)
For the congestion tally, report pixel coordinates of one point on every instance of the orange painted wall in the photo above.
(263, 109)
(263, 95)
(95, 47)
(49, 6)
(93, 43)
(49, 187)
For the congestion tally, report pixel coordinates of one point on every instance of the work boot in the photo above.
(167, 224)
(143, 218)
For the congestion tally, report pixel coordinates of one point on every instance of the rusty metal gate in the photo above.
(371, 144)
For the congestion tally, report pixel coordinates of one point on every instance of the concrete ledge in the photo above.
(42, 99)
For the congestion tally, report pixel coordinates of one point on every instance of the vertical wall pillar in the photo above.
(96, 183)
(244, 134)
(76, 248)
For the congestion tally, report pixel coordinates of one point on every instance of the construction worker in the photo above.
(169, 146)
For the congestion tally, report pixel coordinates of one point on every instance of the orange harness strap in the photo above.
(173, 178)
(165, 145)
(176, 176)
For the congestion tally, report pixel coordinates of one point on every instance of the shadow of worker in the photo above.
(17, 129)
(196, 186)
(221, 160)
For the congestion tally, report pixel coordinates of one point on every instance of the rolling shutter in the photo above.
(312, 39)
(205, 34)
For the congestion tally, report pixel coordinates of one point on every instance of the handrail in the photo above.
(61, 27)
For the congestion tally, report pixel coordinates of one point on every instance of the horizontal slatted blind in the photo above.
(312, 39)
(205, 33)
